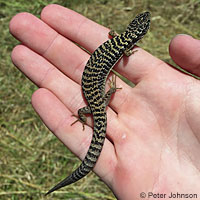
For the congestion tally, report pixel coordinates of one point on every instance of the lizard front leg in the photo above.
(129, 51)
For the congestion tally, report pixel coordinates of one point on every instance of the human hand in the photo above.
(153, 129)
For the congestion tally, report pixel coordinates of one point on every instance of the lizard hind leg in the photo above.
(112, 89)
(81, 116)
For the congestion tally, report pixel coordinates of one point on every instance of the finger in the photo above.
(63, 54)
(45, 75)
(42, 39)
(75, 27)
(184, 50)
(58, 117)
(90, 35)
(54, 115)
(55, 84)
(42, 72)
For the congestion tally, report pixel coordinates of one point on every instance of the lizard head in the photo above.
(139, 26)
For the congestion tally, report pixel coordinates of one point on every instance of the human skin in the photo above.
(153, 131)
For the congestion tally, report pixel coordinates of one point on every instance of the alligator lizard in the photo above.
(93, 83)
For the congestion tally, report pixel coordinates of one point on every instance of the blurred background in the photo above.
(31, 158)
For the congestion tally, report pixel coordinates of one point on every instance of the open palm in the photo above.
(153, 129)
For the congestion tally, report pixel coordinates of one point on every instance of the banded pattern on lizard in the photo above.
(94, 78)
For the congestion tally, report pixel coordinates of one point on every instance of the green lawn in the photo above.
(31, 158)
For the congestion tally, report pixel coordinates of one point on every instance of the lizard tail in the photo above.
(91, 157)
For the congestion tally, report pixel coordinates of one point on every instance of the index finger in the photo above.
(75, 26)
(90, 35)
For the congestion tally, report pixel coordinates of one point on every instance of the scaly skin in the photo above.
(94, 78)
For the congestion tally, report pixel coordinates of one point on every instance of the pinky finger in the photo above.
(57, 118)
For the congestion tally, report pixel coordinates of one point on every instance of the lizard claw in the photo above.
(78, 120)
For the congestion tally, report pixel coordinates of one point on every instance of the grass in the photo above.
(31, 158)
